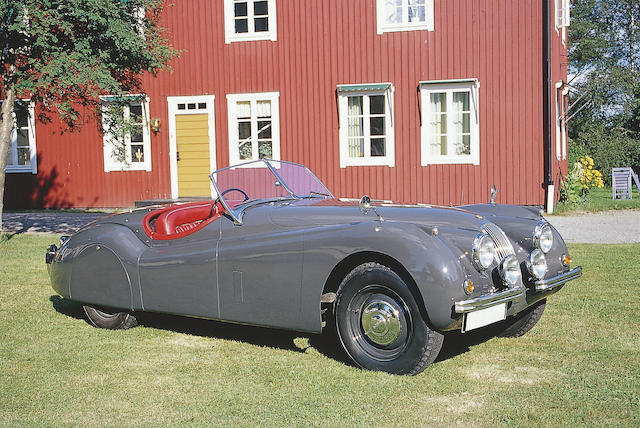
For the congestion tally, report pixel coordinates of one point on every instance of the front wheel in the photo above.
(112, 320)
(380, 325)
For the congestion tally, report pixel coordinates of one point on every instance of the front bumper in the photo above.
(557, 281)
(509, 295)
(489, 300)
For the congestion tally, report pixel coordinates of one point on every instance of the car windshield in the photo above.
(265, 179)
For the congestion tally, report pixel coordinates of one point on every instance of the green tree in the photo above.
(63, 54)
(604, 58)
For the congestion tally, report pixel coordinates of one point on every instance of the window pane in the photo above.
(461, 101)
(439, 145)
(356, 147)
(264, 108)
(466, 122)
(264, 129)
(377, 147)
(439, 102)
(135, 113)
(136, 134)
(244, 130)
(24, 156)
(202, 105)
(191, 106)
(22, 116)
(260, 8)
(393, 11)
(463, 145)
(243, 109)
(376, 104)
(261, 24)
(265, 149)
(23, 137)
(137, 153)
(242, 26)
(355, 127)
(181, 106)
(240, 9)
(354, 106)
(245, 150)
(377, 125)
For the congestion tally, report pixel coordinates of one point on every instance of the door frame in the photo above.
(173, 146)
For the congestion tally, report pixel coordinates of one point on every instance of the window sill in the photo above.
(450, 161)
(20, 170)
(146, 168)
(368, 162)
(420, 27)
(252, 38)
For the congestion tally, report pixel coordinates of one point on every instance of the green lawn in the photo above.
(579, 366)
(600, 200)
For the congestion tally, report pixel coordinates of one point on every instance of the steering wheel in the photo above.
(246, 197)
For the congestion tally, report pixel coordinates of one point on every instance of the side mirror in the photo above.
(365, 204)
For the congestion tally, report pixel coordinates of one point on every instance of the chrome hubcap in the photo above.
(381, 322)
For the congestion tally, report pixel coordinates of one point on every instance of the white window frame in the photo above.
(562, 18)
(561, 121)
(426, 89)
(367, 160)
(383, 27)
(253, 98)
(112, 164)
(229, 24)
(13, 143)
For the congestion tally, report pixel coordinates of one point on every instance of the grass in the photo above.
(579, 366)
(600, 200)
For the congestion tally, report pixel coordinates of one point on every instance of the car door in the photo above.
(260, 270)
(180, 276)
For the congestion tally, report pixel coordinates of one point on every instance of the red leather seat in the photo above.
(176, 221)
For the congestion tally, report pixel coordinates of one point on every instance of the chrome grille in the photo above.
(500, 240)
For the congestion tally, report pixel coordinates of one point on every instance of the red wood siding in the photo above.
(322, 44)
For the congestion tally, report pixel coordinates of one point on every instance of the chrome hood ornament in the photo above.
(494, 192)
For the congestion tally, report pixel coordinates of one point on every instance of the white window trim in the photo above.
(231, 36)
(33, 167)
(173, 145)
(562, 18)
(111, 164)
(561, 121)
(389, 158)
(426, 88)
(232, 99)
(386, 28)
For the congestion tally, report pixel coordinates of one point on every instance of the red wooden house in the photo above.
(406, 100)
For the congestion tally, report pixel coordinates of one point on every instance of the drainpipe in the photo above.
(546, 100)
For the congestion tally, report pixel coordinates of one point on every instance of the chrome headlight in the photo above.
(483, 251)
(537, 264)
(543, 236)
(510, 270)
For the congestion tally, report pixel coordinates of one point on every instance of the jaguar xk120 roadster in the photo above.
(276, 249)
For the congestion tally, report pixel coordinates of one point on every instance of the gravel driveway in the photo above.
(614, 227)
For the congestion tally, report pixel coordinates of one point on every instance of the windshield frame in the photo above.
(238, 211)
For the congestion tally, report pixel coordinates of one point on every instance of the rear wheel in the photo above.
(380, 324)
(524, 321)
(109, 319)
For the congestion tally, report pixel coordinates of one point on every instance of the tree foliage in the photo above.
(63, 54)
(604, 58)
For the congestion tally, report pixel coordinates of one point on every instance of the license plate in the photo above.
(482, 317)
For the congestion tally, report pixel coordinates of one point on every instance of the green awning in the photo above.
(437, 82)
(369, 87)
(126, 97)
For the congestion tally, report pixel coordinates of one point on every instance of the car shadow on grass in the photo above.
(327, 343)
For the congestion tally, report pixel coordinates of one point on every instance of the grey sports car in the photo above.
(276, 249)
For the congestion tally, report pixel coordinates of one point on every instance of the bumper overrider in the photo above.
(492, 299)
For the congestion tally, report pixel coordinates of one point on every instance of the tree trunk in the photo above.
(6, 126)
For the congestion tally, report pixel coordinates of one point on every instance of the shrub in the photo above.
(582, 177)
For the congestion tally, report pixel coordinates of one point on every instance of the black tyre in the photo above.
(112, 320)
(524, 321)
(380, 325)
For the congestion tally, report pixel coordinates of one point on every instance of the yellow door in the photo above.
(192, 141)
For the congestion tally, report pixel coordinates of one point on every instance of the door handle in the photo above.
(178, 156)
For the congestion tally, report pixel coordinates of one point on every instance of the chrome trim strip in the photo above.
(556, 281)
(489, 300)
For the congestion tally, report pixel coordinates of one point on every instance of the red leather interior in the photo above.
(177, 221)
